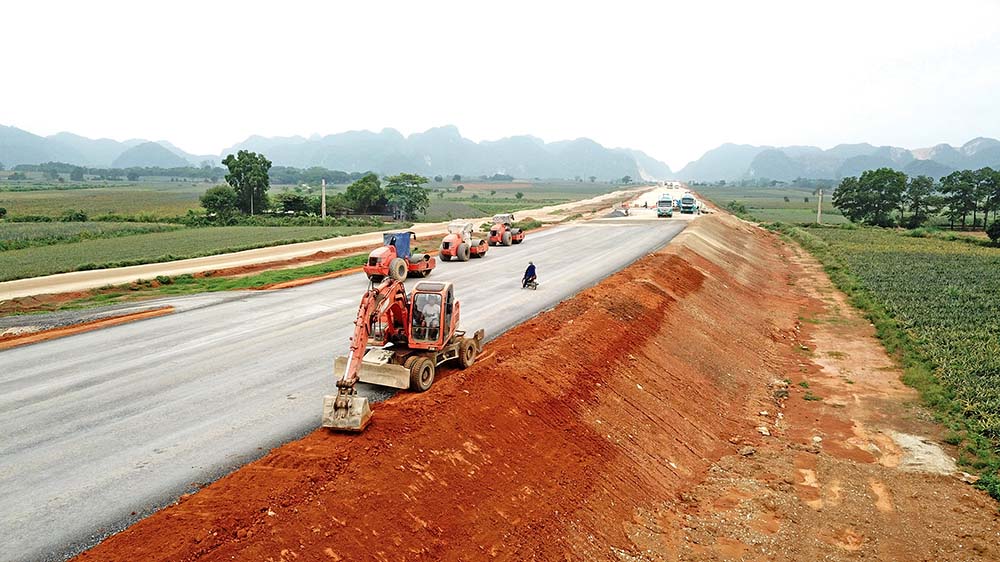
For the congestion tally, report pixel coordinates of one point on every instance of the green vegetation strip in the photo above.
(19, 235)
(935, 304)
(164, 286)
(159, 247)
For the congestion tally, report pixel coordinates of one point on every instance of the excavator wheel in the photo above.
(444, 256)
(506, 238)
(421, 374)
(397, 269)
(468, 352)
(463, 252)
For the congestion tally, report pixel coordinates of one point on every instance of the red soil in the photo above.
(558, 444)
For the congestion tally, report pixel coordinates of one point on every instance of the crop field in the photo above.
(17, 235)
(158, 247)
(103, 201)
(786, 204)
(479, 200)
(943, 298)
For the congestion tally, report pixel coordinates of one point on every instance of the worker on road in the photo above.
(529, 274)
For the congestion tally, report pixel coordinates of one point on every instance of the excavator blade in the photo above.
(346, 412)
(377, 370)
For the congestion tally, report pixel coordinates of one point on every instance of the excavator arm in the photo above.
(384, 306)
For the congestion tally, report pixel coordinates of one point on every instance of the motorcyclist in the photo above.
(529, 275)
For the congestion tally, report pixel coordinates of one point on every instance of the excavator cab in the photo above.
(433, 315)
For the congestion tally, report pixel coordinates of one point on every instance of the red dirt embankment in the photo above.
(562, 442)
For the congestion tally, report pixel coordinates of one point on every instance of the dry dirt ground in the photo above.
(626, 424)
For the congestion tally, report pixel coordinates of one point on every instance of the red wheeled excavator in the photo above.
(399, 340)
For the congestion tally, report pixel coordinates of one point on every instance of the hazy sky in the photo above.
(670, 78)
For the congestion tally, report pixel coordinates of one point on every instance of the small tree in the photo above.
(873, 197)
(406, 193)
(3, 212)
(519, 195)
(626, 180)
(76, 174)
(17, 176)
(73, 216)
(959, 189)
(220, 200)
(493, 192)
(456, 177)
(248, 177)
(365, 194)
(51, 175)
(132, 175)
(592, 179)
(293, 202)
(438, 179)
(917, 199)
(459, 188)
(993, 231)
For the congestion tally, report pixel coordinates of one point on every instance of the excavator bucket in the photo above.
(346, 411)
(376, 369)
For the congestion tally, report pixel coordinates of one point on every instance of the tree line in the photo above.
(248, 180)
(277, 174)
(886, 197)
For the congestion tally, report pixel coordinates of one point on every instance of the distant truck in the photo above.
(665, 207)
(690, 205)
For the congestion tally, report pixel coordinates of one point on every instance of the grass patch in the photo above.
(188, 284)
(159, 247)
(811, 397)
(19, 235)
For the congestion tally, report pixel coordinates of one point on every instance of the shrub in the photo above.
(73, 216)
(994, 232)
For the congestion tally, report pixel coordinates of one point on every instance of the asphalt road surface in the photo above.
(102, 428)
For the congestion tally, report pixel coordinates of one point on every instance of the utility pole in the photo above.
(819, 208)
(322, 204)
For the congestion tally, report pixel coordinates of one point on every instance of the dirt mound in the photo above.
(560, 443)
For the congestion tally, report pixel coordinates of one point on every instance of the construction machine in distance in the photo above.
(503, 232)
(399, 340)
(460, 244)
(665, 206)
(394, 259)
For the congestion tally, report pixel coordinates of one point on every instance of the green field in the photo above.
(17, 235)
(151, 201)
(158, 247)
(476, 199)
(936, 302)
(769, 204)
(43, 248)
